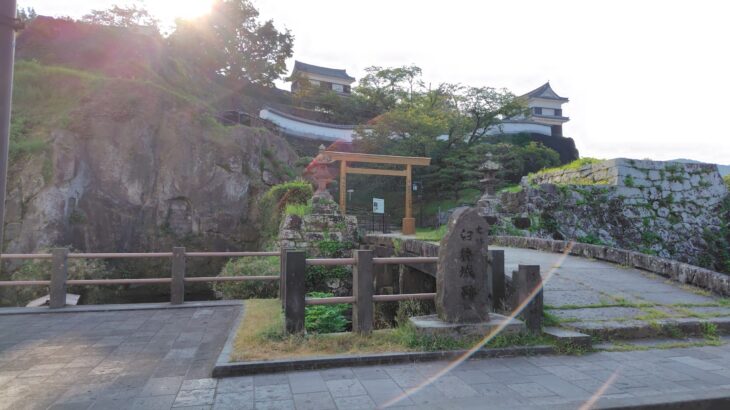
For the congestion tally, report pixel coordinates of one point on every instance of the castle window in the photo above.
(338, 88)
(537, 110)
(314, 83)
(558, 112)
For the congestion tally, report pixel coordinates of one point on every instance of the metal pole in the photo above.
(7, 60)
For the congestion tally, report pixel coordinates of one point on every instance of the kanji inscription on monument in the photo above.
(461, 279)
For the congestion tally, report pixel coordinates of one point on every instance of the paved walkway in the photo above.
(161, 359)
(598, 297)
(143, 359)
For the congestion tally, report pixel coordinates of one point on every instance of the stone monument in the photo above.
(462, 286)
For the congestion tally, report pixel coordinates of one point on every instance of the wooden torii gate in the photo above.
(347, 158)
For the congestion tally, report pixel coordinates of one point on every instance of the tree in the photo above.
(122, 16)
(231, 42)
(26, 14)
(726, 178)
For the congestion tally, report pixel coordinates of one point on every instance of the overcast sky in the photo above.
(646, 79)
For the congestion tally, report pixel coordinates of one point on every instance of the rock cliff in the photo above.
(108, 164)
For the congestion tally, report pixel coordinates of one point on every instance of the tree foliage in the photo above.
(231, 42)
(122, 16)
(449, 123)
(26, 14)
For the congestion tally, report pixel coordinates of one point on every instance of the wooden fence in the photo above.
(292, 290)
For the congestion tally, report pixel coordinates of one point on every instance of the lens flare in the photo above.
(431, 379)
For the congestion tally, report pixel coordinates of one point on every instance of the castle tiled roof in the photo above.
(325, 71)
(545, 91)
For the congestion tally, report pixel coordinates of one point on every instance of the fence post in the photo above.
(282, 277)
(177, 286)
(362, 290)
(527, 280)
(495, 277)
(59, 274)
(296, 264)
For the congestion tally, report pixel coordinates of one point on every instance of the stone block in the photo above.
(433, 326)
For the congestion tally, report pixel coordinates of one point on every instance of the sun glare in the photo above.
(180, 9)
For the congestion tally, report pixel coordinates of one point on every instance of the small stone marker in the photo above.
(461, 279)
(527, 285)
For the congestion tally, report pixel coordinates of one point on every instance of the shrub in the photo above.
(325, 318)
(726, 178)
(316, 276)
(275, 201)
(77, 269)
(249, 266)
(298, 209)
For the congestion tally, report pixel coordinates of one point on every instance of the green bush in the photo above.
(316, 276)
(77, 269)
(275, 201)
(325, 318)
(726, 178)
(250, 266)
(298, 209)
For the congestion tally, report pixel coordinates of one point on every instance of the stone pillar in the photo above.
(461, 279)
(59, 274)
(527, 285)
(296, 264)
(495, 279)
(177, 287)
(362, 290)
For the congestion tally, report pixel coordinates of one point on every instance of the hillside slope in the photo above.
(104, 161)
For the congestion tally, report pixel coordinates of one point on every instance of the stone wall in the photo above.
(660, 208)
(325, 223)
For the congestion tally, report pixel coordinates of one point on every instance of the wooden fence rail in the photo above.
(293, 288)
(291, 277)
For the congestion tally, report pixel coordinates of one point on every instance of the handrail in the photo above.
(400, 260)
(25, 283)
(330, 261)
(231, 254)
(26, 256)
(229, 278)
(143, 281)
(119, 255)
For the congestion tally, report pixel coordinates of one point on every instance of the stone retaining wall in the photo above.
(668, 209)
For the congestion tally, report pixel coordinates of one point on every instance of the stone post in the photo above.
(296, 264)
(495, 279)
(526, 281)
(177, 286)
(362, 290)
(461, 277)
(59, 274)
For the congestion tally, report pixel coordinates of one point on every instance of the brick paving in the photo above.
(143, 359)
(162, 359)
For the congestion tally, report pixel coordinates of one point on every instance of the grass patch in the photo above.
(466, 197)
(572, 166)
(431, 234)
(512, 189)
(261, 337)
(298, 209)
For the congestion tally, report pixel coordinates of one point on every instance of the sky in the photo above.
(646, 79)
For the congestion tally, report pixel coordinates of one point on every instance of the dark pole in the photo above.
(8, 25)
